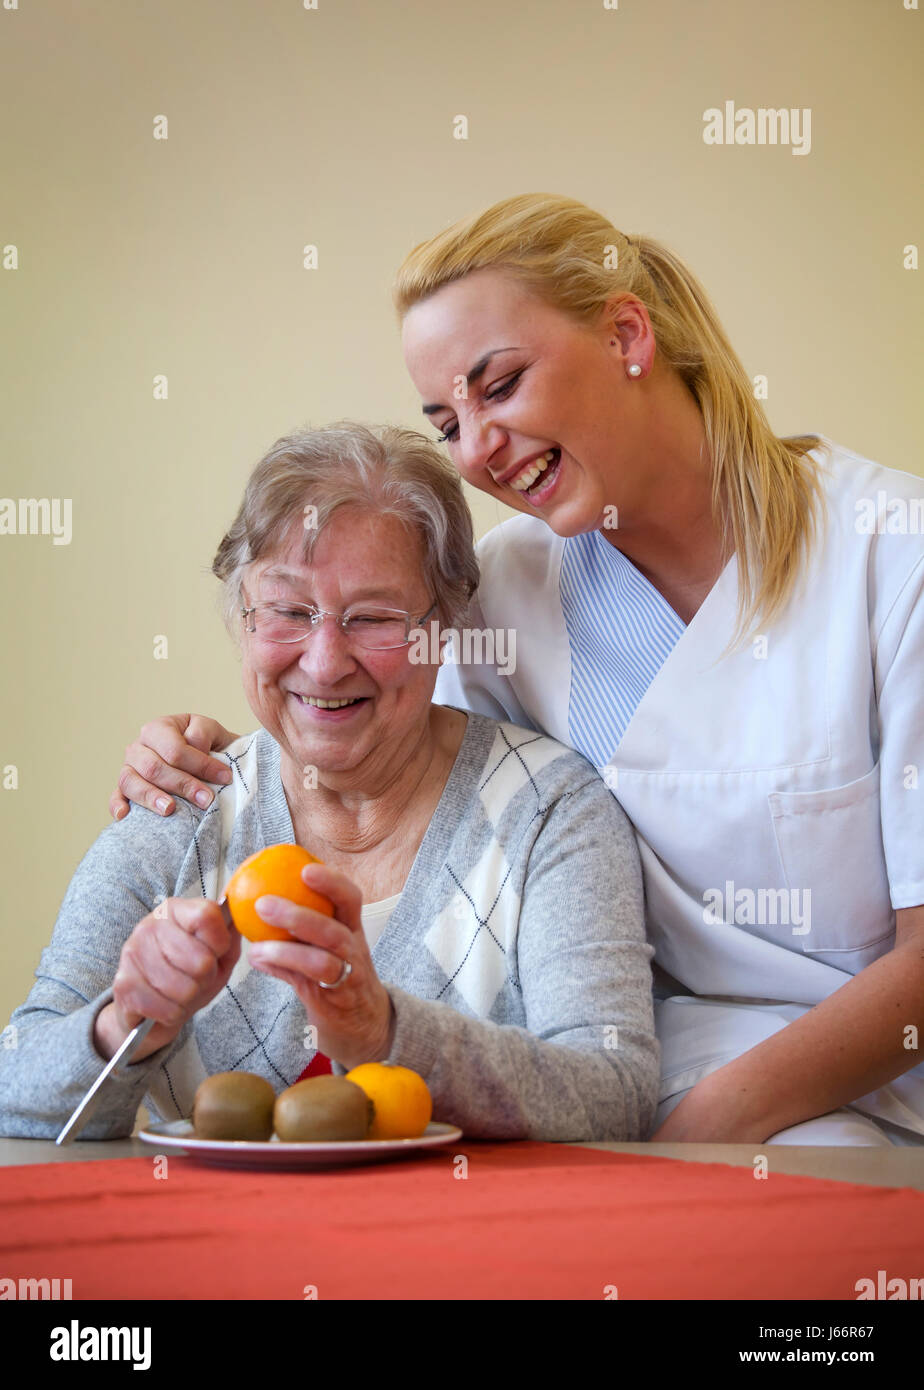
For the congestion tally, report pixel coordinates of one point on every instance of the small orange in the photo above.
(276, 870)
(402, 1100)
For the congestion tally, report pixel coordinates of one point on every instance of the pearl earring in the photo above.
(635, 370)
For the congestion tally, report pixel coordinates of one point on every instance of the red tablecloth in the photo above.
(531, 1220)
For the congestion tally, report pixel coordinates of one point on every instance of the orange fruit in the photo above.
(276, 870)
(402, 1100)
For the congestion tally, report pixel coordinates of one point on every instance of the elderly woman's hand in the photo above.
(355, 1021)
(174, 963)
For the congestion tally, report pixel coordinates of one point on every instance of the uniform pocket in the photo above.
(830, 845)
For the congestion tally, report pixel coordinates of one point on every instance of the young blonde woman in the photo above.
(728, 624)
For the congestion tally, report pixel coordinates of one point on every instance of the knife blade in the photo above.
(122, 1056)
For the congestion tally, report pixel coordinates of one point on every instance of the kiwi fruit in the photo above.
(234, 1105)
(323, 1108)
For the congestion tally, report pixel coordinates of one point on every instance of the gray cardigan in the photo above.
(515, 958)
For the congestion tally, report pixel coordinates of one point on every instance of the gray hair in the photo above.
(390, 471)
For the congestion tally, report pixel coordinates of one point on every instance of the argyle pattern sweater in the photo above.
(515, 958)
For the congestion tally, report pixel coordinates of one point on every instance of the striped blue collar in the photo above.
(621, 631)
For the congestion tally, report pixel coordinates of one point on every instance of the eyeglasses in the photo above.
(363, 624)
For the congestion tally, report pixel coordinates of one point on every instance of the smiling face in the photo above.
(357, 556)
(552, 424)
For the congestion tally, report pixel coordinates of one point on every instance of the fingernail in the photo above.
(162, 803)
(267, 907)
(204, 798)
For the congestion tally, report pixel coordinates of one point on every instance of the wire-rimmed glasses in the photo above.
(365, 625)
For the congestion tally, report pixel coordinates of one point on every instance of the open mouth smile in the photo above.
(330, 708)
(536, 479)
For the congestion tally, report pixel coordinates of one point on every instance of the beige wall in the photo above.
(333, 126)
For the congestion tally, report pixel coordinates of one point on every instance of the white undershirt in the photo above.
(375, 917)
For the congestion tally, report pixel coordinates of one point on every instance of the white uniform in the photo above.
(777, 792)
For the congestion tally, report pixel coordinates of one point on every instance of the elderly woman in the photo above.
(488, 927)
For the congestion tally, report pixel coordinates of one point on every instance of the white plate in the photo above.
(274, 1153)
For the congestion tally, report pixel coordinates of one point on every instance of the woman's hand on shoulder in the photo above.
(171, 755)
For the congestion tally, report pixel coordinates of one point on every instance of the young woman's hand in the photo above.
(711, 1113)
(169, 756)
